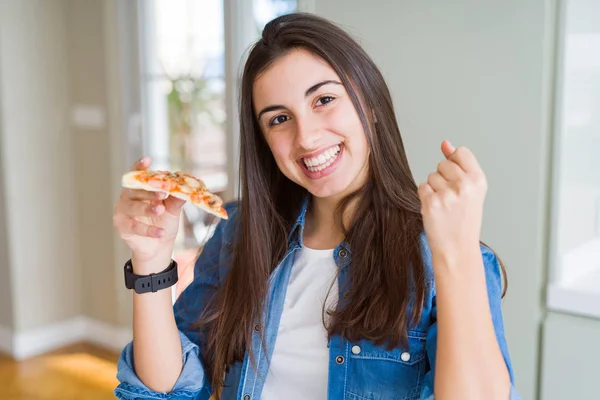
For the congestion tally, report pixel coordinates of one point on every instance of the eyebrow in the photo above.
(308, 92)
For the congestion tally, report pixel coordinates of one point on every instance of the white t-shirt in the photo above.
(300, 363)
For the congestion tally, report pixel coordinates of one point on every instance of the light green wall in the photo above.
(571, 354)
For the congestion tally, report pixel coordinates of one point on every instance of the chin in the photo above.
(336, 185)
(327, 191)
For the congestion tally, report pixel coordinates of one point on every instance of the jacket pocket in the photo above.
(376, 373)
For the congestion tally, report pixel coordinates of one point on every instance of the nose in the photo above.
(308, 133)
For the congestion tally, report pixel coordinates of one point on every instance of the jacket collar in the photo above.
(297, 232)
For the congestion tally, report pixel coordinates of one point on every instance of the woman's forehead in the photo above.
(295, 71)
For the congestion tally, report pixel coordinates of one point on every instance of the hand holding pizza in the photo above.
(452, 202)
(147, 221)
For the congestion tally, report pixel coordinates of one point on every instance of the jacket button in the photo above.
(339, 359)
(405, 356)
(343, 253)
(246, 397)
(355, 349)
(257, 328)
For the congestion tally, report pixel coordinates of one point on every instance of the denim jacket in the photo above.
(357, 370)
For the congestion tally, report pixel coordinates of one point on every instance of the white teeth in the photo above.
(324, 160)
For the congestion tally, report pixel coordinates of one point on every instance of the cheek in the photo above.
(348, 122)
(280, 148)
(351, 127)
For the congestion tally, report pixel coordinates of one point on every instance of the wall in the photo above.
(59, 178)
(38, 163)
(477, 73)
(88, 91)
(571, 354)
(6, 303)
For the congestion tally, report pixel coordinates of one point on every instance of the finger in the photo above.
(437, 181)
(447, 148)
(140, 194)
(141, 164)
(465, 160)
(157, 202)
(450, 170)
(424, 190)
(173, 205)
(135, 227)
(140, 209)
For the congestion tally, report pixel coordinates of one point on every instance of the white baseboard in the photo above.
(47, 338)
(22, 345)
(108, 336)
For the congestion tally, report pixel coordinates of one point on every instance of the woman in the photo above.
(335, 276)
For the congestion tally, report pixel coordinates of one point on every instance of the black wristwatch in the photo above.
(152, 282)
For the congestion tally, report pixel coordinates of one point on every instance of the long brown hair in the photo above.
(386, 280)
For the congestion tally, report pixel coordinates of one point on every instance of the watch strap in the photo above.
(150, 283)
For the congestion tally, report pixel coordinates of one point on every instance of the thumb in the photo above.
(447, 148)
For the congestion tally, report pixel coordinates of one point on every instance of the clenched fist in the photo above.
(452, 202)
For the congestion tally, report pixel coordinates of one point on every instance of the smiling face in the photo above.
(311, 126)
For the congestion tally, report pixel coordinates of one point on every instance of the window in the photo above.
(266, 10)
(575, 233)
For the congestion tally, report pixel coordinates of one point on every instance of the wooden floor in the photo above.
(77, 372)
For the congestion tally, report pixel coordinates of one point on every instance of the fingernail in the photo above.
(160, 195)
(143, 160)
(160, 233)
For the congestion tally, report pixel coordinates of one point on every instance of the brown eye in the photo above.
(279, 119)
(324, 100)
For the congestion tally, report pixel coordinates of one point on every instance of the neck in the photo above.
(322, 214)
(321, 230)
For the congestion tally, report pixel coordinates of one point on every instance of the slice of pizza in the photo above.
(177, 184)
